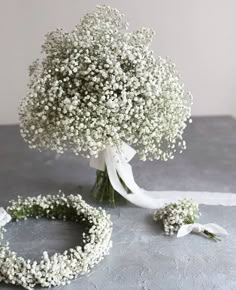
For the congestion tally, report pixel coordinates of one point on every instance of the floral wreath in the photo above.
(60, 268)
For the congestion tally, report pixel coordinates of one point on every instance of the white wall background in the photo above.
(199, 36)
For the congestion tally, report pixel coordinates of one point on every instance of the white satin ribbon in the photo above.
(198, 228)
(116, 160)
(4, 217)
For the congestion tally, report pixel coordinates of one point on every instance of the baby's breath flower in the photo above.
(99, 85)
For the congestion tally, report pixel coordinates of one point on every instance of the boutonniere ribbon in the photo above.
(210, 230)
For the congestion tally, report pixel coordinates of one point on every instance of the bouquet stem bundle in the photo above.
(103, 190)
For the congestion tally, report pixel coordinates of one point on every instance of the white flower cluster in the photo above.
(174, 215)
(58, 269)
(99, 85)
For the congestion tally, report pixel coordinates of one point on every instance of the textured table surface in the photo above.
(141, 257)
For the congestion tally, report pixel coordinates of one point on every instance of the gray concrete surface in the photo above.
(141, 257)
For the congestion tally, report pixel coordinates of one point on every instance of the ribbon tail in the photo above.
(116, 183)
(125, 172)
(157, 199)
(117, 162)
(207, 198)
(215, 229)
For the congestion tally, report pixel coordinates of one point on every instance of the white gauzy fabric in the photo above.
(198, 228)
(116, 160)
(4, 217)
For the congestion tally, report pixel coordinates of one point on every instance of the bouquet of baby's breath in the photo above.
(99, 85)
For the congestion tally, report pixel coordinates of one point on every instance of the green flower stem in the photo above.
(211, 236)
(103, 190)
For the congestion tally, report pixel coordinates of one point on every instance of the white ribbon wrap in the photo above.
(198, 228)
(4, 217)
(116, 160)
